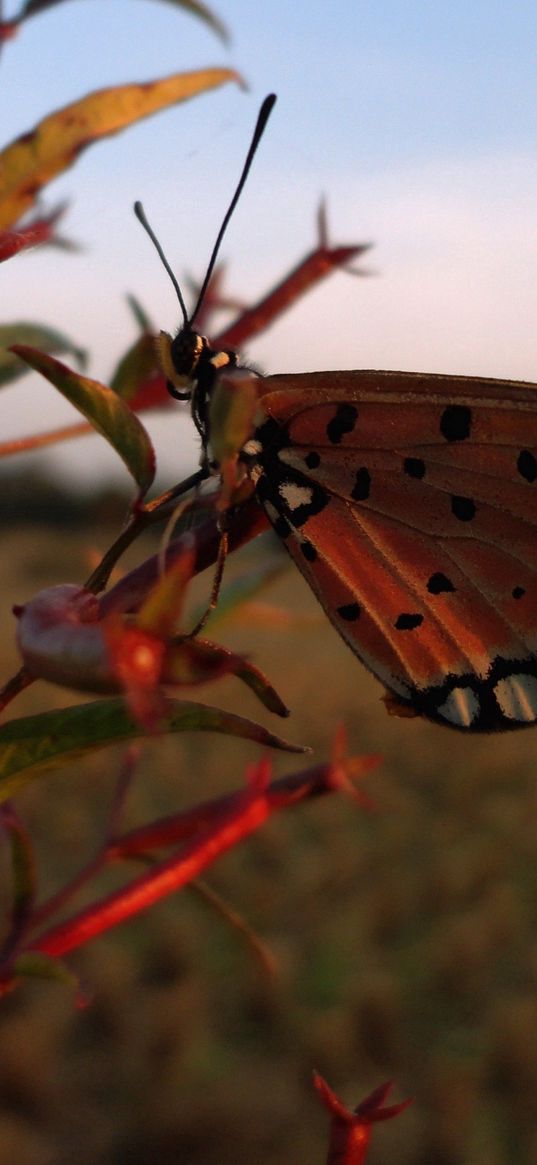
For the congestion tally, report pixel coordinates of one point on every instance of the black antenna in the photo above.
(263, 116)
(140, 215)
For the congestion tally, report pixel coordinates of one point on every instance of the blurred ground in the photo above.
(405, 938)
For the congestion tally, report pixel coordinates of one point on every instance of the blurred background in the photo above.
(404, 937)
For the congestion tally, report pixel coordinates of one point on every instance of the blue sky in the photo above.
(417, 121)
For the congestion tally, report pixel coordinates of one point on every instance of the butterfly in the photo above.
(409, 504)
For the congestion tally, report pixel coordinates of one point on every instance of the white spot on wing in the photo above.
(252, 447)
(255, 473)
(295, 495)
(461, 707)
(517, 697)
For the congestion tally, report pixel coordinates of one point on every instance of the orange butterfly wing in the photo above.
(409, 504)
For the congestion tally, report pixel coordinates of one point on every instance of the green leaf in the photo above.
(104, 409)
(135, 367)
(34, 745)
(38, 336)
(140, 315)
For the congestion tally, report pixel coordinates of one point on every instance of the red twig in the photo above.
(247, 810)
(286, 791)
(207, 831)
(40, 230)
(315, 267)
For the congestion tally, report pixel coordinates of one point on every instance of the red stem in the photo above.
(213, 828)
(311, 270)
(248, 813)
(180, 826)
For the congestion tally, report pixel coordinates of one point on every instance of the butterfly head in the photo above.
(191, 367)
(188, 362)
(187, 349)
(180, 358)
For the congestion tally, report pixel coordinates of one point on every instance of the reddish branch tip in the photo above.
(350, 1131)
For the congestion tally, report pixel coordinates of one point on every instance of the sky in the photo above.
(416, 121)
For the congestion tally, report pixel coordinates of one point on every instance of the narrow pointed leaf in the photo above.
(103, 408)
(139, 314)
(36, 157)
(196, 661)
(38, 336)
(136, 367)
(34, 7)
(40, 231)
(34, 745)
(11, 242)
(204, 13)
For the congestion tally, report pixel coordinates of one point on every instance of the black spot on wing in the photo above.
(342, 422)
(463, 508)
(414, 467)
(518, 592)
(527, 465)
(272, 437)
(439, 584)
(312, 460)
(362, 485)
(407, 621)
(308, 550)
(456, 422)
(281, 527)
(349, 611)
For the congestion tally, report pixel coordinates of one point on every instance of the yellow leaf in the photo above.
(36, 157)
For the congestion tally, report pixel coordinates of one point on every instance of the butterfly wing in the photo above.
(409, 503)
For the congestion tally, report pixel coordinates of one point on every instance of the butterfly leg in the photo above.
(217, 580)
